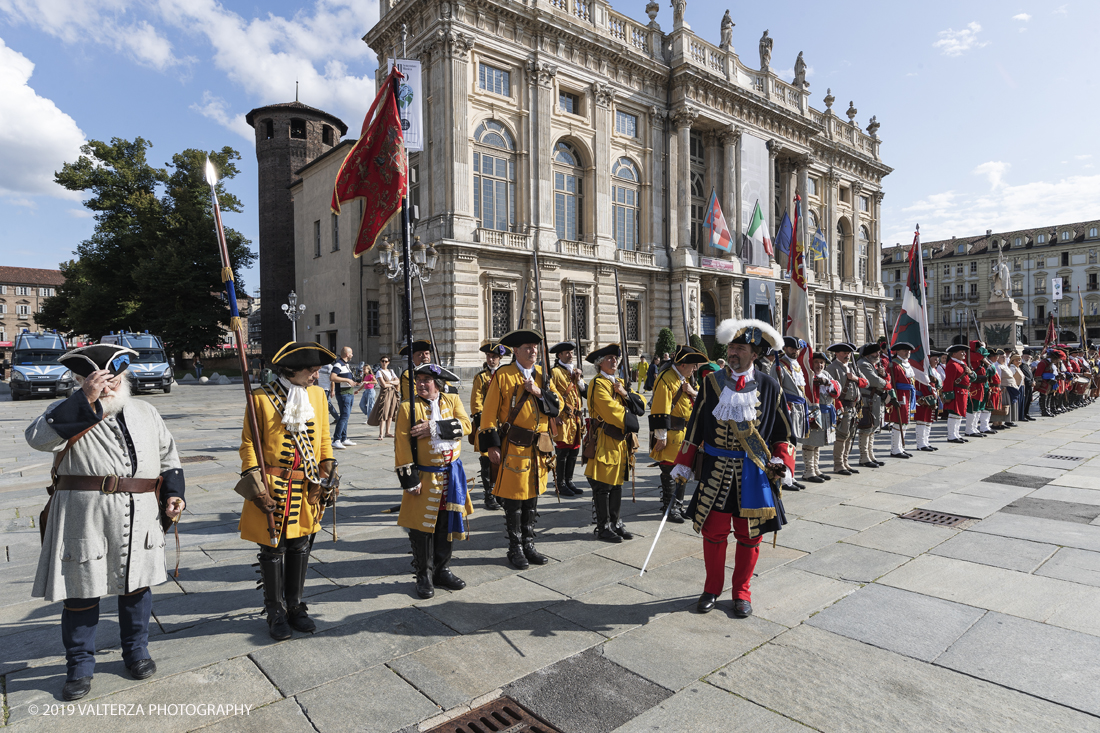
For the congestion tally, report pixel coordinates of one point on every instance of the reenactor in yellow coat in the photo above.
(422, 354)
(568, 381)
(478, 390)
(615, 410)
(292, 414)
(435, 504)
(673, 397)
(515, 433)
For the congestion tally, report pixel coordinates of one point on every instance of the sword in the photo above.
(657, 536)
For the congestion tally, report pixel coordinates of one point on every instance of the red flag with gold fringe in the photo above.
(375, 169)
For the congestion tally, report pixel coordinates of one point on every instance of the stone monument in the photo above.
(1002, 321)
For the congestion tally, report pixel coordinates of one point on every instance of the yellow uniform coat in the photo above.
(420, 511)
(478, 389)
(524, 470)
(664, 390)
(569, 420)
(279, 451)
(612, 456)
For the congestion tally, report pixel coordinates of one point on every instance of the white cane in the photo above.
(658, 535)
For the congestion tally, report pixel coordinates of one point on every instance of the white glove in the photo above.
(681, 472)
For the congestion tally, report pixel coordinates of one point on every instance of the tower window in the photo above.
(269, 129)
(326, 135)
(298, 129)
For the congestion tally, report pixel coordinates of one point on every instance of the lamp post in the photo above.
(424, 258)
(293, 311)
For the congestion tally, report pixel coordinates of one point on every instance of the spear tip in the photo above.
(211, 174)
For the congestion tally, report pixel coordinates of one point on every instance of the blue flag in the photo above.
(783, 240)
(819, 246)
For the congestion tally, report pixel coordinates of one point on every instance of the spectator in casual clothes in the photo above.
(324, 381)
(367, 387)
(343, 384)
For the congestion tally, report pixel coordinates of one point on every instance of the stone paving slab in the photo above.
(902, 537)
(1077, 495)
(926, 488)
(886, 502)
(1062, 511)
(990, 549)
(801, 534)
(908, 695)
(789, 596)
(845, 561)
(1036, 529)
(1078, 566)
(703, 708)
(671, 546)
(967, 505)
(849, 517)
(616, 609)
(375, 700)
(800, 503)
(284, 716)
(676, 650)
(454, 672)
(912, 624)
(468, 611)
(682, 579)
(1035, 658)
(581, 574)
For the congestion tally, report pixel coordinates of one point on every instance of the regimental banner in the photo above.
(410, 104)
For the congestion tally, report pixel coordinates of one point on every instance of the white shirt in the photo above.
(324, 378)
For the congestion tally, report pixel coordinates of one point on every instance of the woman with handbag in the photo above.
(387, 402)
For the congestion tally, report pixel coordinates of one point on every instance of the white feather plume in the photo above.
(728, 329)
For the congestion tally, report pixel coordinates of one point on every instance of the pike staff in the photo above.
(545, 354)
(236, 325)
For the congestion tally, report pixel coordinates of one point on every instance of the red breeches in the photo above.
(716, 532)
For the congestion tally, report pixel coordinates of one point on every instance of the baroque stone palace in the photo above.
(567, 126)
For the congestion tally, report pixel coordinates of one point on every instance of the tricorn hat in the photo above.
(792, 343)
(689, 355)
(748, 331)
(599, 354)
(563, 346)
(842, 346)
(903, 345)
(87, 359)
(438, 372)
(519, 338)
(303, 355)
(821, 355)
(420, 345)
(488, 347)
(957, 347)
(869, 349)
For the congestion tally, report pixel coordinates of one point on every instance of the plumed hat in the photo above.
(748, 331)
(303, 355)
(87, 359)
(438, 372)
(488, 347)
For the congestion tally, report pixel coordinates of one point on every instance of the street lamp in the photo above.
(293, 311)
(424, 258)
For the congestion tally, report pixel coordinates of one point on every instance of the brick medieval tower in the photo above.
(288, 137)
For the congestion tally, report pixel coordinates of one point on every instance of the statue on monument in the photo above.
(727, 30)
(765, 51)
(799, 72)
(1001, 285)
(679, 7)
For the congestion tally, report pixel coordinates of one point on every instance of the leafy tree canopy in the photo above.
(666, 344)
(153, 261)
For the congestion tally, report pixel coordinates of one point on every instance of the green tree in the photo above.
(153, 261)
(697, 343)
(666, 344)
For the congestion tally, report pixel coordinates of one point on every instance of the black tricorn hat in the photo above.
(689, 355)
(563, 346)
(438, 372)
(842, 346)
(303, 355)
(903, 345)
(957, 347)
(599, 354)
(420, 345)
(821, 355)
(937, 353)
(488, 347)
(792, 342)
(87, 359)
(519, 338)
(869, 349)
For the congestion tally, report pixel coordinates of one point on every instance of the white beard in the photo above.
(118, 399)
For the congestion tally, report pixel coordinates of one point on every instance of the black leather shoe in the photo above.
(880, 463)
(975, 435)
(142, 669)
(742, 608)
(517, 558)
(424, 587)
(955, 440)
(277, 624)
(927, 449)
(533, 556)
(853, 470)
(607, 535)
(564, 490)
(900, 455)
(577, 490)
(814, 479)
(798, 487)
(705, 605)
(444, 578)
(76, 689)
(933, 447)
(823, 476)
(844, 472)
(621, 530)
(491, 503)
(869, 465)
(300, 620)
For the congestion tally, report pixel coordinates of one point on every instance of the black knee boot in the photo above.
(513, 522)
(600, 497)
(570, 467)
(443, 577)
(671, 493)
(272, 580)
(297, 561)
(488, 478)
(529, 514)
(423, 551)
(560, 459)
(614, 503)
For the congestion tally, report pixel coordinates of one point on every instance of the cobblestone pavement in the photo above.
(864, 621)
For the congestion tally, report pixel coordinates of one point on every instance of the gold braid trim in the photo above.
(227, 274)
(236, 324)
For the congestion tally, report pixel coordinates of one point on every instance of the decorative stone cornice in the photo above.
(731, 135)
(604, 93)
(684, 117)
(878, 196)
(657, 116)
(457, 44)
(857, 187)
(541, 73)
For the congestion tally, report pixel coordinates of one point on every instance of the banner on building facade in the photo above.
(754, 189)
(1056, 288)
(410, 104)
(760, 300)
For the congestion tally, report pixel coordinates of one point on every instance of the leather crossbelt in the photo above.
(108, 484)
(286, 473)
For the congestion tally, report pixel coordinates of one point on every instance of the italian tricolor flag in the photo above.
(758, 242)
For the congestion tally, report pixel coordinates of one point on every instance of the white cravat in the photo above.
(737, 406)
(298, 410)
(439, 445)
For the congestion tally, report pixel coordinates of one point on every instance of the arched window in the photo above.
(624, 203)
(298, 129)
(494, 176)
(568, 192)
(843, 241)
(864, 246)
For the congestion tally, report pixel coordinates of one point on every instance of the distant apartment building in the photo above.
(23, 290)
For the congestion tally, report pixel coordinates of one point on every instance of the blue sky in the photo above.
(987, 108)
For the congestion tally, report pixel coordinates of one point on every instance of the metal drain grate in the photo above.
(503, 715)
(196, 459)
(937, 518)
(1063, 458)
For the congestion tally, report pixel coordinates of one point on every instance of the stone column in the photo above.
(836, 263)
(458, 47)
(802, 175)
(769, 209)
(855, 189)
(876, 247)
(604, 95)
(731, 184)
(683, 119)
(540, 77)
(658, 199)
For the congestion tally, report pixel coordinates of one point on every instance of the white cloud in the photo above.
(217, 109)
(1084, 156)
(106, 22)
(1039, 203)
(80, 213)
(36, 137)
(1061, 10)
(956, 43)
(994, 171)
(1024, 17)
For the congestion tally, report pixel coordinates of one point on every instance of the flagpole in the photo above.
(406, 253)
(236, 325)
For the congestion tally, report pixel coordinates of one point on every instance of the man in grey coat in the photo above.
(870, 414)
(118, 487)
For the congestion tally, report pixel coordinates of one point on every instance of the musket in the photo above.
(523, 303)
(428, 320)
(576, 325)
(976, 329)
(545, 356)
(844, 325)
(684, 313)
(868, 323)
(236, 325)
(624, 367)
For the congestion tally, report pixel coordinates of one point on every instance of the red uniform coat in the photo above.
(925, 414)
(1042, 382)
(898, 412)
(977, 390)
(994, 375)
(957, 381)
